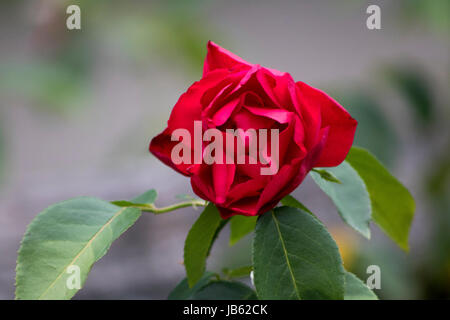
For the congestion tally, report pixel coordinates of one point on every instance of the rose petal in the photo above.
(220, 58)
(222, 176)
(250, 188)
(279, 115)
(276, 85)
(341, 125)
(187, 110)
(277, 185)
(246, 206)
(161, 146)
(189, 106)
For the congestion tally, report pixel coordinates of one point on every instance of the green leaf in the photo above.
(350, 197)
(184, 196)
(125, 203)
(146, 198)
(392, 204)
(225, 290)
(238, 272)
(240, 226)
(182, 290)
(75, 232)
(199, 241)
(222, 224)
(355, 289)
(294, 257)
(290, 201)
(326, 175)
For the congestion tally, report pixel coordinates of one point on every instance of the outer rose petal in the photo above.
(189, 106)
(341, 125)
(185, 112)
(161, 146)
(220, 58)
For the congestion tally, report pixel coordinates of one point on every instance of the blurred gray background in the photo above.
(78, 109)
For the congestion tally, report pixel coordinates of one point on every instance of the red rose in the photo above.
(314, 131)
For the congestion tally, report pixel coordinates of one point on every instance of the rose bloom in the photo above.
(314, 131)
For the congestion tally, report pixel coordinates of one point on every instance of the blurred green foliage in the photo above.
(57, 72)
(438, 181)
(2, 153)
(435, 13)
(414, 85)
(166, 36)
(374, 131)
(397, 273)
(52, 86)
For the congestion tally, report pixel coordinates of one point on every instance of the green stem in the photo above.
(155, 210)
